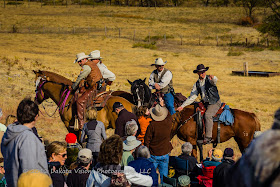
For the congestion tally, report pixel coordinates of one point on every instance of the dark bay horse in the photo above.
(52, 85)
(140, 92)
(243, 129)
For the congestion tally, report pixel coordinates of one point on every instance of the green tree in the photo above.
(271, 24)
(250, 6)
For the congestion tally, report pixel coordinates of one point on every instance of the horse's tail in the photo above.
(258, 124)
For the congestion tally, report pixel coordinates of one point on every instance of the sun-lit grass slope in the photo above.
(51, 45)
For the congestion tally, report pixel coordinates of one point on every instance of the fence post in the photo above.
(246, 41)
(267, 42)
(198, 40)
(119, 32)
(28, 3)
(258, 41)
(231, 40)
(54, 3)
(66, 4)
(73, 30)
(149, 37)
(164, 38)
(80, 3)
(246, 69)
(16, 3)
(217, 40)
(105, 31)
(88, 31)
(181, 39)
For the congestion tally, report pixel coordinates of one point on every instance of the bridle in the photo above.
(40, 82)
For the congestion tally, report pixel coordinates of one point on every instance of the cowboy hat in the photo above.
(80, 56)
(94, 55)
(159, 62)
(158, 112)
(200, 67)
(131, 143)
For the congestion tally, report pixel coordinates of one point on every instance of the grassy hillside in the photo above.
(48, 38)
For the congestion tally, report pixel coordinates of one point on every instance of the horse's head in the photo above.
(40, 80)
(140, 91)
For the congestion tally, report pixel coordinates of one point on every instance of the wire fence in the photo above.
(144, 35)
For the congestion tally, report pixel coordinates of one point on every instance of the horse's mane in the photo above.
(51, 76)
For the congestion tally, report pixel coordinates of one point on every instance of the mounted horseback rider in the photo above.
(161, 80)
(88, 84)
(108, 76)
(206, 87)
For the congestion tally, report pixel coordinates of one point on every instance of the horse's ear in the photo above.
(129, 82)
(34, 71)
(144, 79)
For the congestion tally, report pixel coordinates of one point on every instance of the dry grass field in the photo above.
(48, 38)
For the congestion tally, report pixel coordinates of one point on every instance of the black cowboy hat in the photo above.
(200, 67)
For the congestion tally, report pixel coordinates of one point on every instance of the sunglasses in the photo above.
(63, 155)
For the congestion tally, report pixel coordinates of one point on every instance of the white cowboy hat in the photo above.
(131, 143)
(159, 62)
(94, 55)
(80, 56)
(158, 112)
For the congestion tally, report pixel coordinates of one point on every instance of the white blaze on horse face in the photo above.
(37, 82)
(138, 98)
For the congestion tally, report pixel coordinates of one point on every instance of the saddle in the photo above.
(200, 109)
(99, 100)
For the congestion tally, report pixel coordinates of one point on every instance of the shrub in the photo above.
(145, 45)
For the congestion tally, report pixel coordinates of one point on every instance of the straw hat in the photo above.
(81, 56)
(159, 62)
(158, 112)
(131, 143)
(200, 67)
(94, 55)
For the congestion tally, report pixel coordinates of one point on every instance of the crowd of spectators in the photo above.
(136, 155)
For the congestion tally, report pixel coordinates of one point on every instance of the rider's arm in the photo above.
(165, 80)
(192, 97)
(106, 73)
(214, 80)
(151, 81)
(84, 73)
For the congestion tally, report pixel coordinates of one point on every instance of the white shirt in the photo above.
(106, 73)
(194, 92)
(165, 80)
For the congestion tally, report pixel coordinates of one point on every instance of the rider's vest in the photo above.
(94, 75)
(212, 94)
(157, 79)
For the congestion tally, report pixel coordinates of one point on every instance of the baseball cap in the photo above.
(85, 155)
(117, 105)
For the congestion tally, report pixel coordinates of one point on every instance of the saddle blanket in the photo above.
(226, 116)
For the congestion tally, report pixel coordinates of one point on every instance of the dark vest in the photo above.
(157, 79)
(211, 90)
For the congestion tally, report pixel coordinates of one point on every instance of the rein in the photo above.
(185, 121)
(63, 104)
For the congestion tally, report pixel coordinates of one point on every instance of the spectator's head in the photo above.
(184, 181)
(217, 155)
(10, 119)
(256, 134)
(71, 138)
(187, 148)
(142, 111)
(91, 114)
(111, 150)
(117, 107)
(57, 152)
(34, 177)
(228, 153)
(131, 143)
(276, 123)
(158, 113)
(2, 170)
(143, 151)
(131, 128)
(27, 111)
(84, 157)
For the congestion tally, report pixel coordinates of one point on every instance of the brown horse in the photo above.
(243, 129)
(52, 85)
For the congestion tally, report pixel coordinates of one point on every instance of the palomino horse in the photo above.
(243, 129)
(56, 87)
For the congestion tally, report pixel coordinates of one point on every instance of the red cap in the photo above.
(71, 138)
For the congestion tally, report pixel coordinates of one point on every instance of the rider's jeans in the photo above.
(169, 102)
